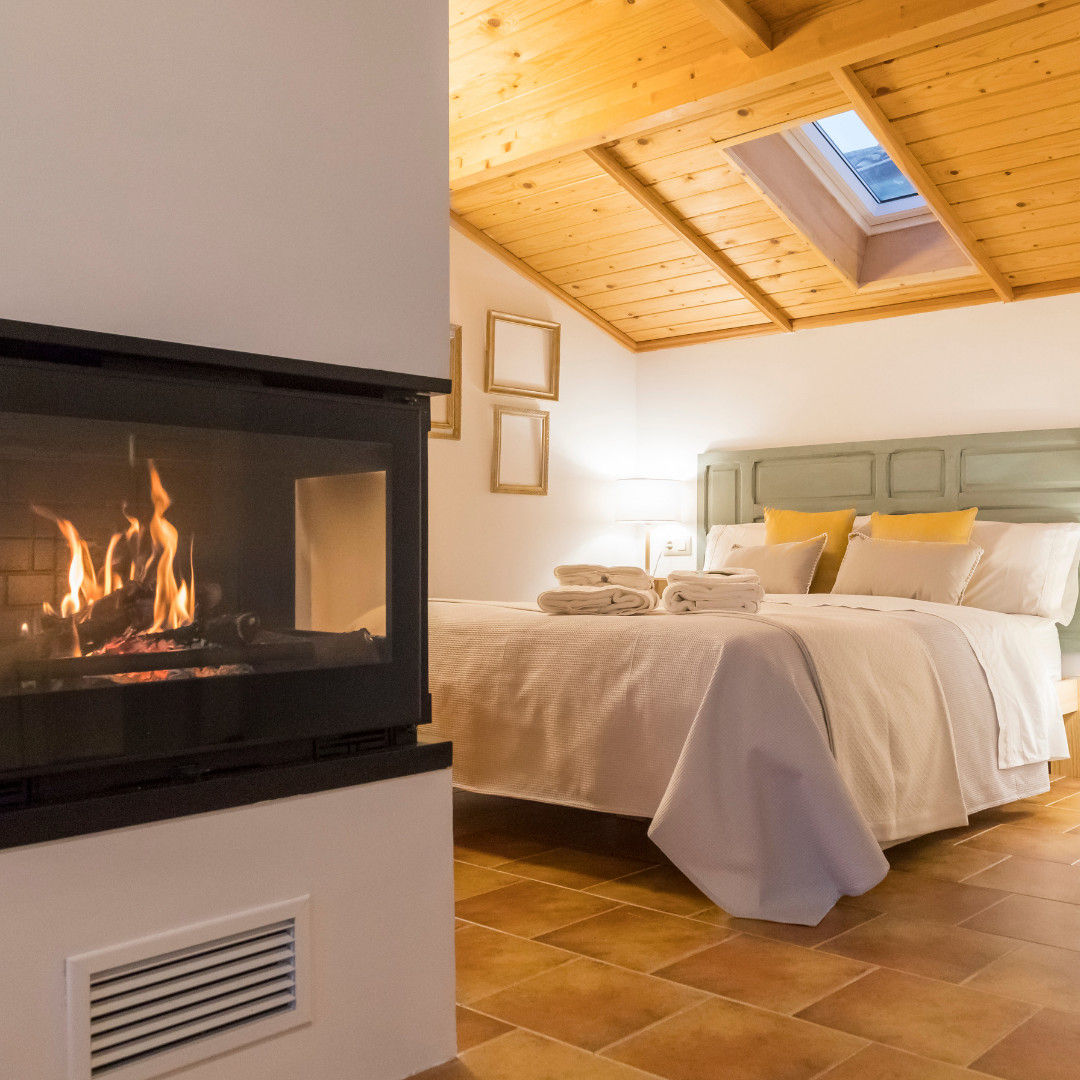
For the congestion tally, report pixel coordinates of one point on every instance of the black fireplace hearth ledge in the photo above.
(202, 786)
(67, 345)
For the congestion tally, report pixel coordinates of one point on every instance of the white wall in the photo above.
(488, 546)
(376, 862)
(996, 367)
(990, 368)
(264, 175)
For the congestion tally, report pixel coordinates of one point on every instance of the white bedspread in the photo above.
(1029, 724)
(719, 728)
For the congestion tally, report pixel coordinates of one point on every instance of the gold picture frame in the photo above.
(449, 425)
(519, 451)
(522, 356)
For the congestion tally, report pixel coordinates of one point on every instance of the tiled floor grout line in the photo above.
(1017, 943)
(572, 888)
(693, 952)
(976, 873)
(671, 982)
(866, 922)
(836, 1064)
(870, 968)
(517, 982)
(619, 877)
(982, 911)
(986, 1050)
(499, 865)
(976, 835)
(551, 1038)
(663, 1019)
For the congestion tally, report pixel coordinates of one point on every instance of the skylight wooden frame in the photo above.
(819, 153)
(882, 130)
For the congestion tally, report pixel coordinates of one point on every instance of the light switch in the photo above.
(679, 545)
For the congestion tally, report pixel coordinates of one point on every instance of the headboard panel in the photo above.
(1010, 476)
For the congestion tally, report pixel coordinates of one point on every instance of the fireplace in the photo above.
(212, 566)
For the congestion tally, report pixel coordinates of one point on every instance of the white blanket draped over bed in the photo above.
(776, 753)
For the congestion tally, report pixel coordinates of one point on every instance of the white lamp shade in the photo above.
(647, 501)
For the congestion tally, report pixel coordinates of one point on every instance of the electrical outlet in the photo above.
(678, 545)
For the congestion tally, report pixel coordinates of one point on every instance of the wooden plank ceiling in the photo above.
(588, 139)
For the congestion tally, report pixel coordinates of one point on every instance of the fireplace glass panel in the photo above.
(133, 553)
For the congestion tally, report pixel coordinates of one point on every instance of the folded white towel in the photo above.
(597, 600)
(633, 577)
(692, 592)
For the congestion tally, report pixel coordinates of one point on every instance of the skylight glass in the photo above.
(865, 157)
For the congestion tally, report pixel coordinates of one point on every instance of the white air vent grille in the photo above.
(211, 991)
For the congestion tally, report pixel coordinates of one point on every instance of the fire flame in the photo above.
(174, 603)
(171, 598)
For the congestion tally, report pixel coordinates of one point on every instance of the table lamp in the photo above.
(647, 501)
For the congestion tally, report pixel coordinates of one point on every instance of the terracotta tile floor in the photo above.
(583, 954)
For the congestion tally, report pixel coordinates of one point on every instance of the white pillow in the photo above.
(782, 568)
(1028, 568)
(722, 538)
(913, 569)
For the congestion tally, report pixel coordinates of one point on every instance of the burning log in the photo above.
(224, 630)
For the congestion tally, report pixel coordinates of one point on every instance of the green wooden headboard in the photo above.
(1010, 476)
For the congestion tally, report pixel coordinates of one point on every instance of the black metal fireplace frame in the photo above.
(271, 720)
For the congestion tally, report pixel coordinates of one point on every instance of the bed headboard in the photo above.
(1010, 476)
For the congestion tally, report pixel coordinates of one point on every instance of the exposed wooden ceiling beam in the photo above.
(738, 21)
(466, 228)
(663, 213)
(882, 130)
(547, 122)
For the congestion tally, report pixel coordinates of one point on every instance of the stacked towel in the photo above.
(729, 589)
(632, 577)
(597, 600)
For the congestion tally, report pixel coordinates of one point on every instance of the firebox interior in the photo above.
(281, 541)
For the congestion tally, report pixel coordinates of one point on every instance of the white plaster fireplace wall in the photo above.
(374, 860)
(268, 176)
(262, 175)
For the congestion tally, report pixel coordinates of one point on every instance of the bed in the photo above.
(777, 754)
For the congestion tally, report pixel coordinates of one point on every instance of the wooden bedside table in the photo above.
(1069, 697)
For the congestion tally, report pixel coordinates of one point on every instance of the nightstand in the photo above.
(1069, 697)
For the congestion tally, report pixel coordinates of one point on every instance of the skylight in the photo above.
(865, 158)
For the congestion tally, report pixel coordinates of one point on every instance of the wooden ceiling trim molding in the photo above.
(706, 336)
(738, 21)
(552, 120)
(480, 237)
(663, 213)
(1048, 288)
(880, 127)
(916, 307)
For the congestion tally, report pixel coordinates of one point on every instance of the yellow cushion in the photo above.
(787, 526)
(950, 527)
